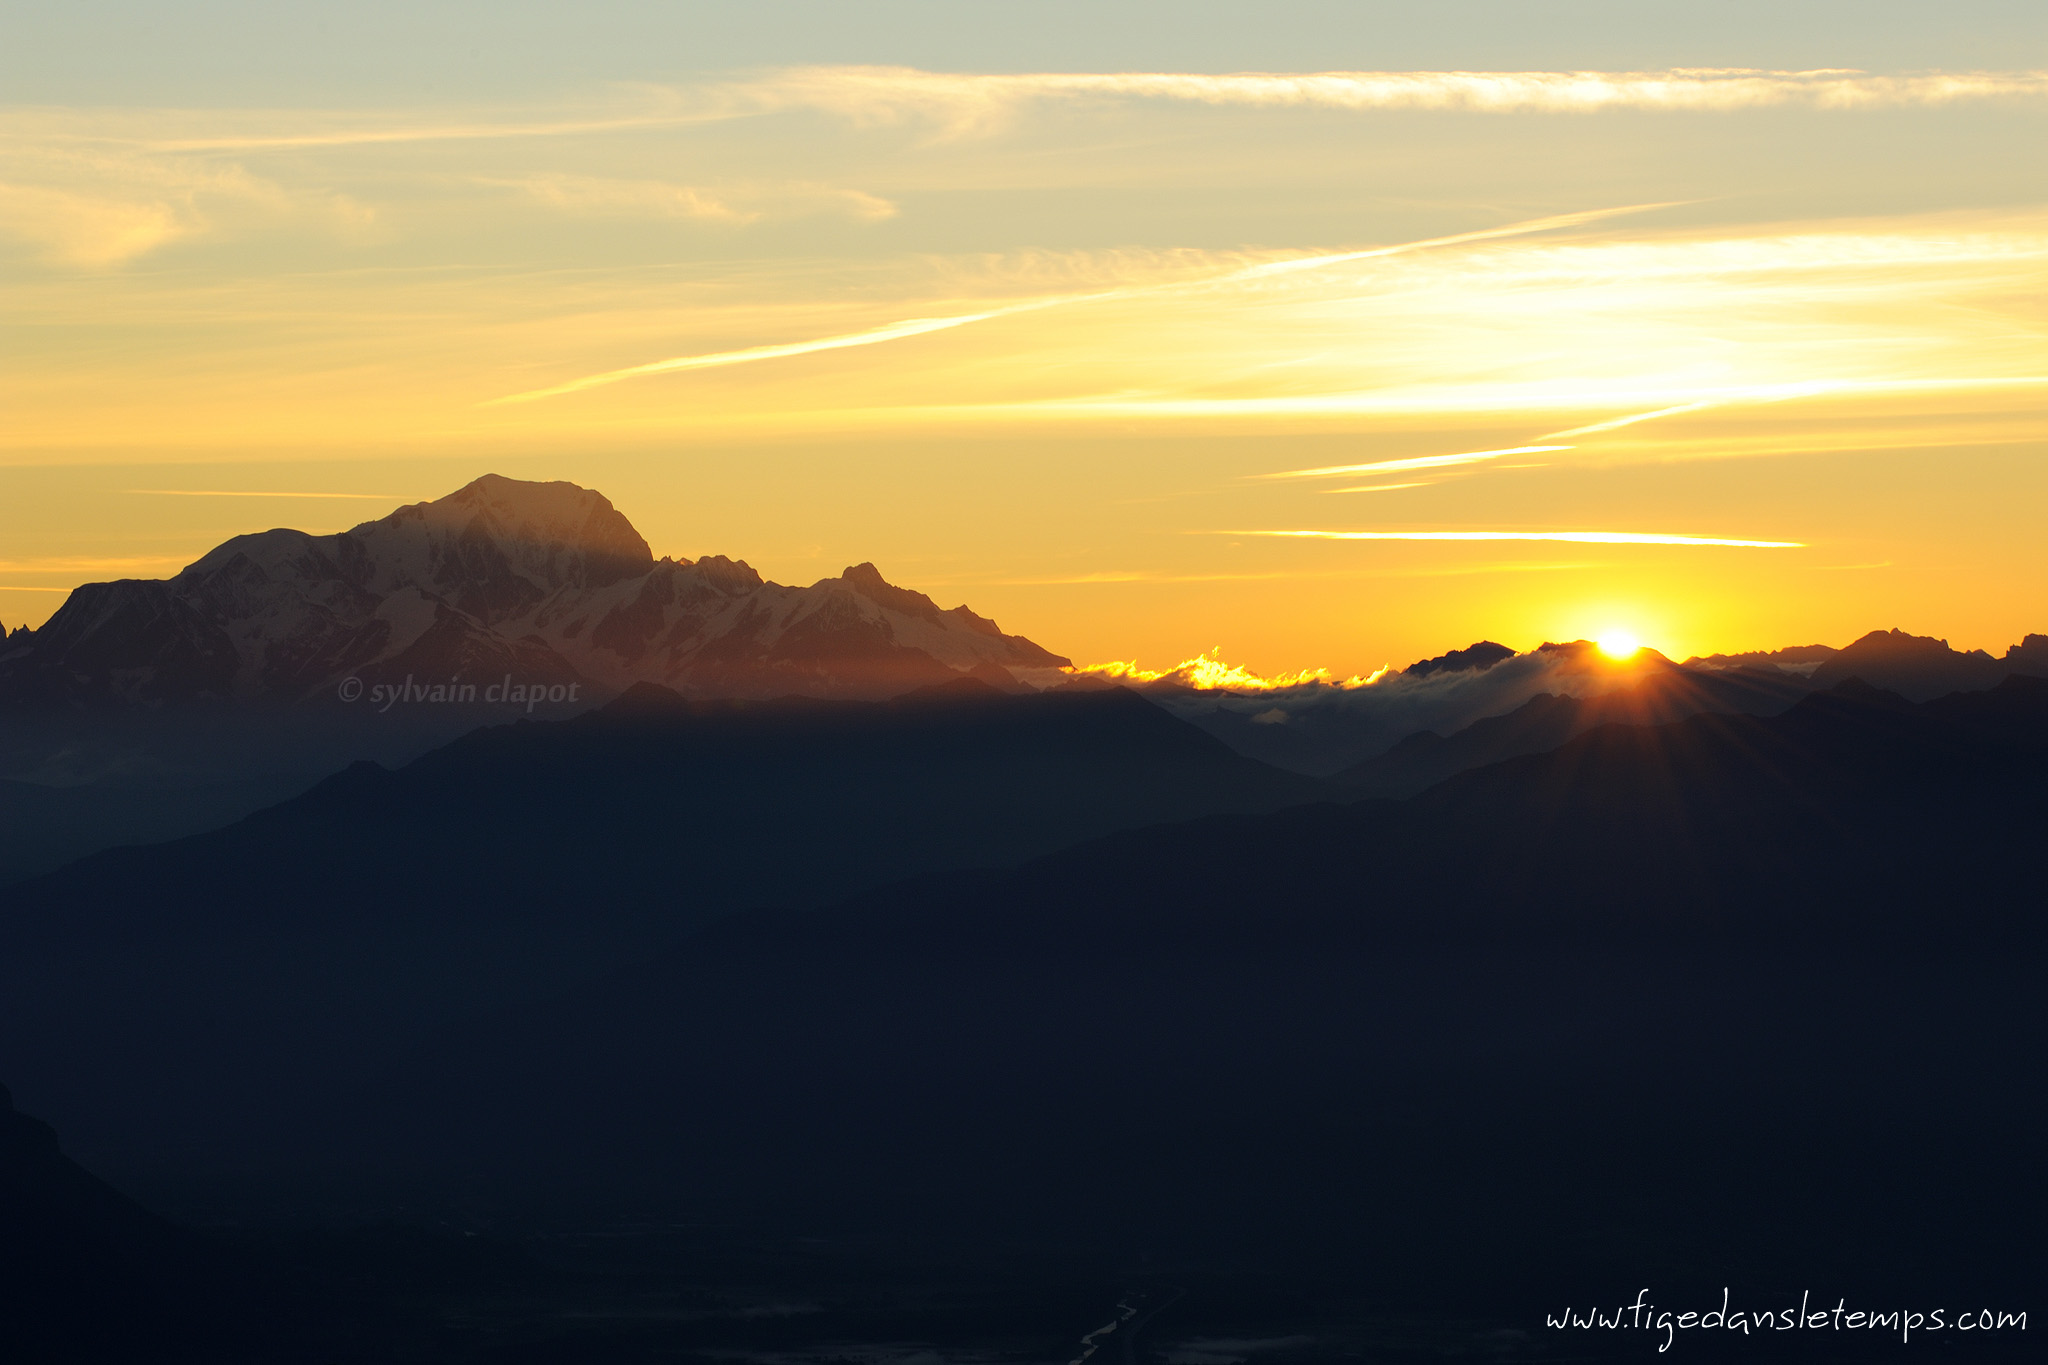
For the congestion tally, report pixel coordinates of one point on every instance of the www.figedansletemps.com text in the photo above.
(1642, 1315)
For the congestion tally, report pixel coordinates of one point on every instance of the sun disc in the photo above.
(1618, 644)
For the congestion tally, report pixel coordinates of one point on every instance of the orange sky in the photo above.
(1092, 351)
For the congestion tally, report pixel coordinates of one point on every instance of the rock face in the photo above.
(1921, 668)
(546, 583)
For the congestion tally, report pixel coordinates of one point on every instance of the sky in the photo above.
(1320, 335)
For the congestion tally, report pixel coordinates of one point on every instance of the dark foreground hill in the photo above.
(234, 970)
(1726, 1002)
(1731, 1002)
(86, 1274)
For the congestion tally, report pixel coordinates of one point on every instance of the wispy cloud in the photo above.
(1413, 462)
(1377, 488)
(256, 493)
(911, 327)
(86, 229)
(601, 196)
(1482, 399)
(1768, 394)
(63, 564)
(1554, 222)
(965, 102)
(894, 331)
(100, 223)
(970, 101)
(1570, 537)
(202, 133)
(1617, 423)
(91, 205)
(1128, 576)
(1125, 577)
(1782, 393)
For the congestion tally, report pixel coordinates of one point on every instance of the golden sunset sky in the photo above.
(1332, 335)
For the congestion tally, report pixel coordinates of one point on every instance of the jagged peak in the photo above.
(2029, 646)
(530, 569)
(980, 625)
(731, 575)
(1475, 658)
(867, 580)
(1900, 644)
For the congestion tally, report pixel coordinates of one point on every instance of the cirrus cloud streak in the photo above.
(1414, 462)
(1569, 537)
(911, 327)
(971, 102)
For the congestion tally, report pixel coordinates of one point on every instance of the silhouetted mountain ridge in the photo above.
(1488, 1023)
(519, 859)
(1855, 811)
(1922, 669)
(542, 582)
(1663, 693)
(1644, 1006)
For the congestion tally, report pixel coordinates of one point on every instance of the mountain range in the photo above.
(1785, 956)
(544, 582)
(1525, 974)
(328, 930)
(143, 710)
(1383, 737)
(1667, 1003)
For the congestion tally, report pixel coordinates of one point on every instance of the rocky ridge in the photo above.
(545, 583)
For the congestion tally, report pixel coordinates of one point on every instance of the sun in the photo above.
(1618, 644)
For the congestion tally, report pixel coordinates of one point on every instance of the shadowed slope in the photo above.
(88, 1275)
(1664, 1006)
(149, 992)
(1920, 668)
(1545, 721)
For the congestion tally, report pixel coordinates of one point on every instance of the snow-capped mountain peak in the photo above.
(545, 581)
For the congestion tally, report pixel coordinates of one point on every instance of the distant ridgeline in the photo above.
(145, 710)
(1485, 703)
